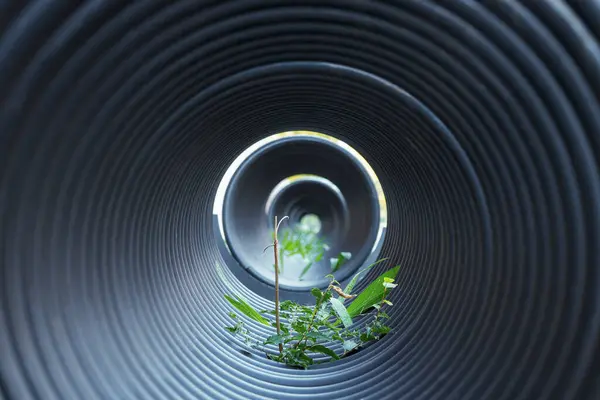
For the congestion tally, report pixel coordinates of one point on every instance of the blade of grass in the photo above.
(373, 294)
(246, 309)
(341, 259)
(305, 270)
(354, 279)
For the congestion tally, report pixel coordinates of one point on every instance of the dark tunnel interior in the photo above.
(119, 119)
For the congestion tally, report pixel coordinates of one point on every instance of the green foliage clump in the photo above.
(325, 328)
(304, 240)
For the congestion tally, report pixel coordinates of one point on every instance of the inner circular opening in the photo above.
(310, 223)
(319, 238)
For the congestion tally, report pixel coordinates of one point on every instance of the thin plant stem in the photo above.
(276, 253)
(381, 304)
(312, 319)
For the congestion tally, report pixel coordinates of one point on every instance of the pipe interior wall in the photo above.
(118, 119)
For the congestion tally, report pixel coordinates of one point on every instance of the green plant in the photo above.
(340, 260)
(304, 240)
(304, 331)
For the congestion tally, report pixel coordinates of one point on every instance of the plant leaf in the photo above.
(340, 292)
(380, 329)
(287, 305)
(292, 338)
(275, 339)
(341, 259)
(305, 270)
(305, 360)
(299, 327)
(349, 345)
(317, 293)
(354, 279)
(324, 350)
(341, 311)
(319, 256)
(317, 336)
(373, 294)
(247, 309)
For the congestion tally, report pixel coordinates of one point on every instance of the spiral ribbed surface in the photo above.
(117, 121)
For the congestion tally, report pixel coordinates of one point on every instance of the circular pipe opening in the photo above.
(318, 178)
(310, 223)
